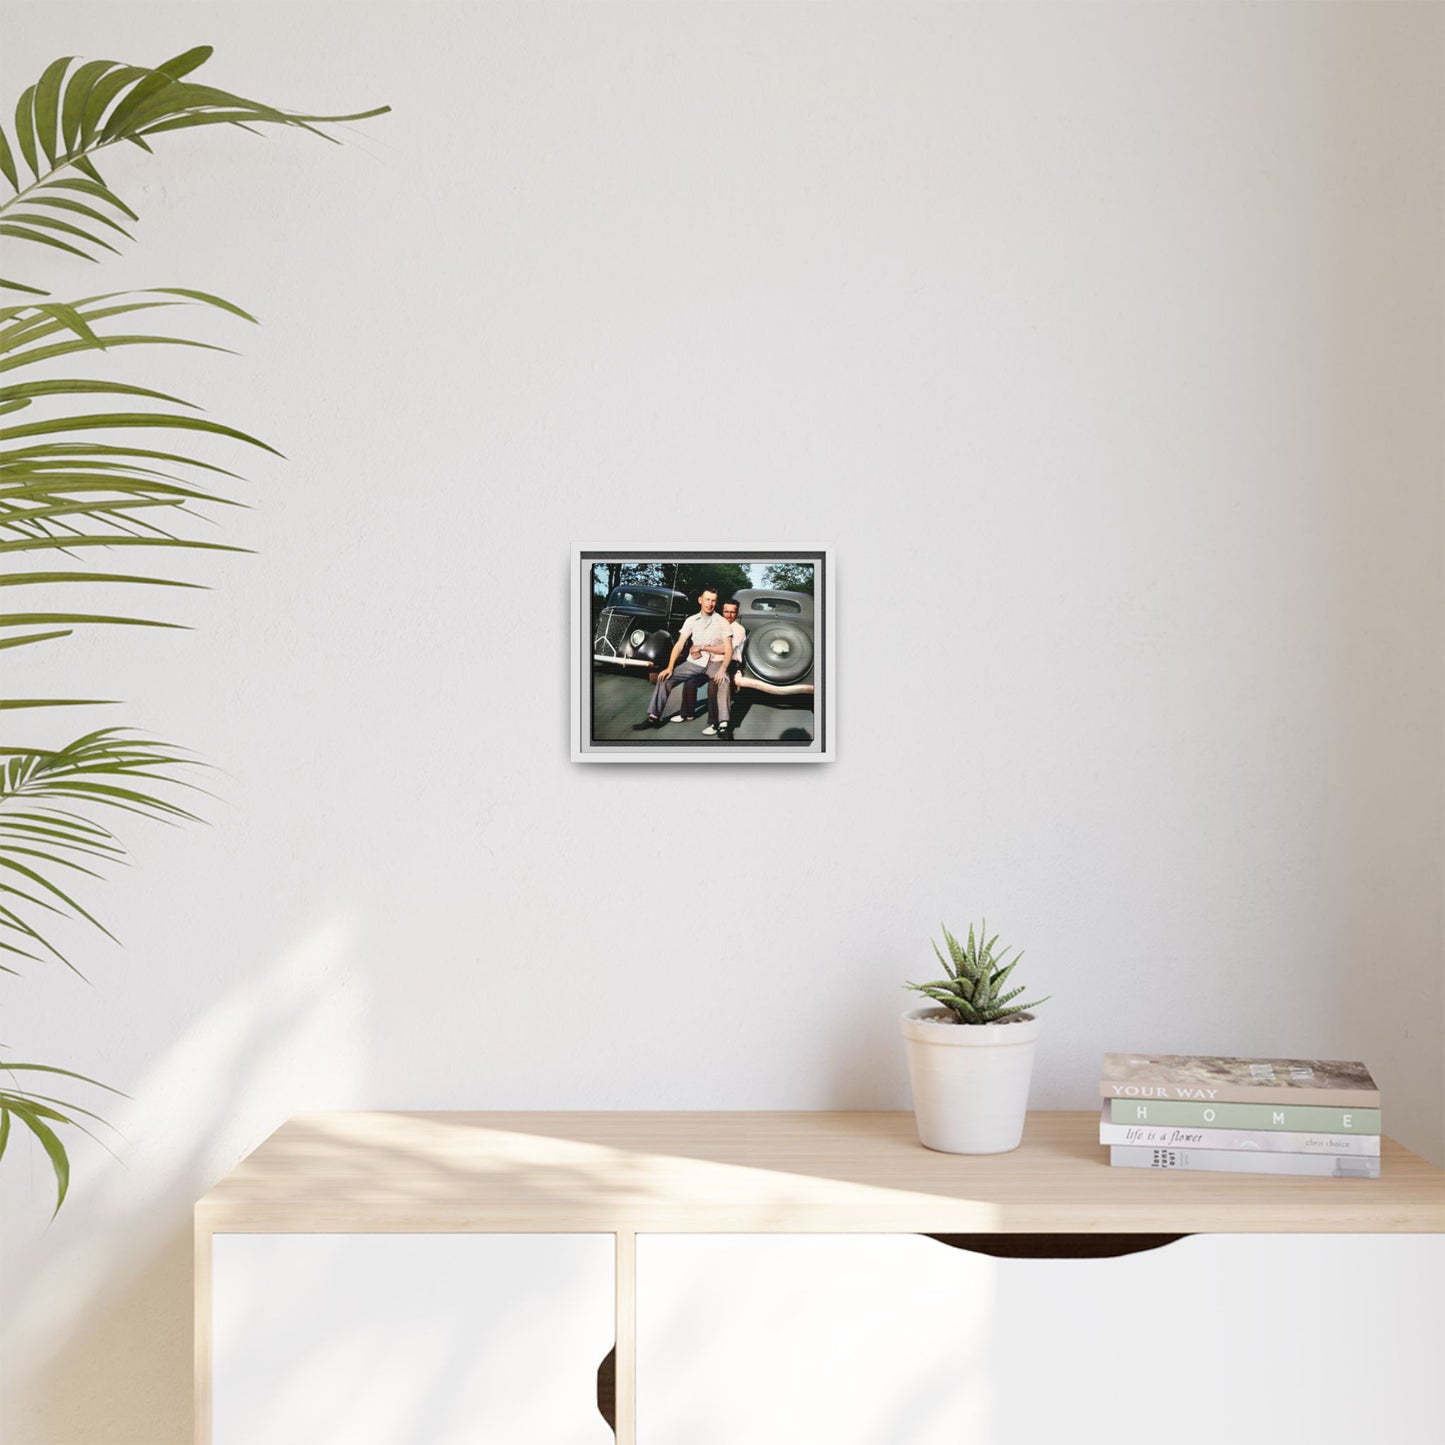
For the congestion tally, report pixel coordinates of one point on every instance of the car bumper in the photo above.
(786, 690)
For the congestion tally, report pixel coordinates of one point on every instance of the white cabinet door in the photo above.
(398, 1339)
(807, 1340)
(900, 1340)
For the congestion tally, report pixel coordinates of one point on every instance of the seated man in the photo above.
(719, 699)
(703, 629)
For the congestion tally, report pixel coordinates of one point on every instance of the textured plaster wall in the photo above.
(1102, 342)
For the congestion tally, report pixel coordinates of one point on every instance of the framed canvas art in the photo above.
(702, 654)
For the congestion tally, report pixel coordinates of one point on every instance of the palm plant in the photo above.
(74, 485)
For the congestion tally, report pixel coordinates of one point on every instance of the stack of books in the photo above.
(1243, 1116)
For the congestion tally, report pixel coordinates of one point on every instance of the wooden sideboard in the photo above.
(626, 1175)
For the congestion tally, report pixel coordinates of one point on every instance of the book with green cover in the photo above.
(1240, 1081)
(1225, 1136)
(1313, 1118)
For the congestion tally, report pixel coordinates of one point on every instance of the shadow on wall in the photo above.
(97, 1341)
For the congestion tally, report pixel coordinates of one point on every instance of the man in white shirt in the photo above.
(699, 633)
(719, 722)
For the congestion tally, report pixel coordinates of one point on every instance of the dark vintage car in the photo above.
(779, 653)
(638, 625)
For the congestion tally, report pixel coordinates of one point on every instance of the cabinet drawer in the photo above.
(392, 1339)
(862, 1339)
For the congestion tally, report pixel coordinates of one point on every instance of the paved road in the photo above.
(619, 700)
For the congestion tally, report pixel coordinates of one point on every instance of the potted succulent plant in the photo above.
(971, 1057)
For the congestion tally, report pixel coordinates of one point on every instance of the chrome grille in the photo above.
(612, 629)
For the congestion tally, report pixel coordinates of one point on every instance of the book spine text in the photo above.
(1233, 1161)
(1269, 1141)
(1299, 1118)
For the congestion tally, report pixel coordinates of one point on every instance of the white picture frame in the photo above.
(630, 607)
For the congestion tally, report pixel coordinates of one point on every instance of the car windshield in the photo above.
(641, 601)
(776, 604)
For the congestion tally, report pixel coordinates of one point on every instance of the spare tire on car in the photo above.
(781, 652)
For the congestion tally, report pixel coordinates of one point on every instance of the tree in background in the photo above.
(790, 576)
(727, 577)
(607, 575)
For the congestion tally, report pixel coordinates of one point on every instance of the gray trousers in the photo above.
(698, 673)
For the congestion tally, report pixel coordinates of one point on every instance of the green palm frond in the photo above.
(41, 831)
(74, 111)
(91, 471)
(64, 491)
(39, 1113)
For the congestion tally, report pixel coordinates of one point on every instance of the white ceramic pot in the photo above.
(970, 1081)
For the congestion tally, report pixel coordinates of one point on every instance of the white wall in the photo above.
(1103, 343)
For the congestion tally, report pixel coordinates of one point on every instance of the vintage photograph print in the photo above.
(702, 655)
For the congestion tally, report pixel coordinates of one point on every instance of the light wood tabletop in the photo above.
(750, 1172)
(628, 1174)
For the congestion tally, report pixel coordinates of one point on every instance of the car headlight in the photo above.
(638, 637)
